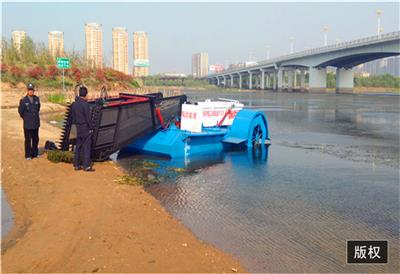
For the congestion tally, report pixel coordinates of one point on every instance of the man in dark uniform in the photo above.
(81, 118)
(28, 109)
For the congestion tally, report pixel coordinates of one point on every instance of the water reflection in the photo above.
(243, 157)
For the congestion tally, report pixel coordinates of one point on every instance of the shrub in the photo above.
(134, 83)
(100, 75)
(86, 73)
(35, 72)
(52, 72)
(76, 74)
(16, 71)
(4, 68)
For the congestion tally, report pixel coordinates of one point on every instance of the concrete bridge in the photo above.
(289, 71)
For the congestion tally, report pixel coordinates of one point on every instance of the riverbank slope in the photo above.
(68, 221)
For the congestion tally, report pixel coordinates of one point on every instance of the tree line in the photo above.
(188, 81)
(376, 81)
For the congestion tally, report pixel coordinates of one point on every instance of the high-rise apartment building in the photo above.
(120, 49)
(94, 44)
(200, 64)
(56, 43)
(18, 37)
(140, 54)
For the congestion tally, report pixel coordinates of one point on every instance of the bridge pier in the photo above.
(274, 81)
(268, 81)
(240, 80)
(250, 85)
(317, 79)
(291, 77)
(224, 77)
(344, 80)
(231, 80)
(280, 79)
(262, 84)
(302, 79)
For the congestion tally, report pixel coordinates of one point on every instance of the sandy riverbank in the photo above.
(68, 221)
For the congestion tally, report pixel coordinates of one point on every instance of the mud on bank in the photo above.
(67, 221)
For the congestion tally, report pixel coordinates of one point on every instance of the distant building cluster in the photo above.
(200, 64)
(56, 43)
(94, 47)
(120, 49)
(215, 68)
(390, 65)
(140, 54)
(18, 37)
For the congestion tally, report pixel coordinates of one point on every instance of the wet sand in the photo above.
(68, 221)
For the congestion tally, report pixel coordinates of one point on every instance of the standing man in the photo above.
(28, 109)
(81, 118)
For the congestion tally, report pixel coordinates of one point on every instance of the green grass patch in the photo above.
(57, 98)
(150, 164)
(140, 173)
(129, 180)
(177, 169)
(58, 156)
(133, 180)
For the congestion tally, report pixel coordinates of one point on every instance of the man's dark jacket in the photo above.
(29, 112)
(81, 116)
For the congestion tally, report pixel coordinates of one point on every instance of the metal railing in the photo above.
(338, 46)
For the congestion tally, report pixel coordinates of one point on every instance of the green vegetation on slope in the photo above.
(33, 63)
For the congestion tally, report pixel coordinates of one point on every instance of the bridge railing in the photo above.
(338, 46)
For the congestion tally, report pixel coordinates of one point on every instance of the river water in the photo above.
(7, 216)
(330, 175)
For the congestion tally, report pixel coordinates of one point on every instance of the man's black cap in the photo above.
(83, 91)
(30, 86)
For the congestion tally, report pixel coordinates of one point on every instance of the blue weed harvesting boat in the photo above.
(249, 128)
(168, 126)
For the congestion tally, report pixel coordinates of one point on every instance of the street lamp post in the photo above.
(378, 14)
(325, 29)
(291, 44)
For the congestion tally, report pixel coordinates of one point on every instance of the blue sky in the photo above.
(229, 32)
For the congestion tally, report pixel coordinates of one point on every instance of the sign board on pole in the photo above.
(63, 63)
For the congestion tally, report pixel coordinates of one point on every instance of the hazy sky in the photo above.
(229, 32)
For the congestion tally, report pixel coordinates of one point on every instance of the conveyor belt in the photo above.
(118, 121)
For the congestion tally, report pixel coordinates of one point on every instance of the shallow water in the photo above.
(7, 216)
(330, 175)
